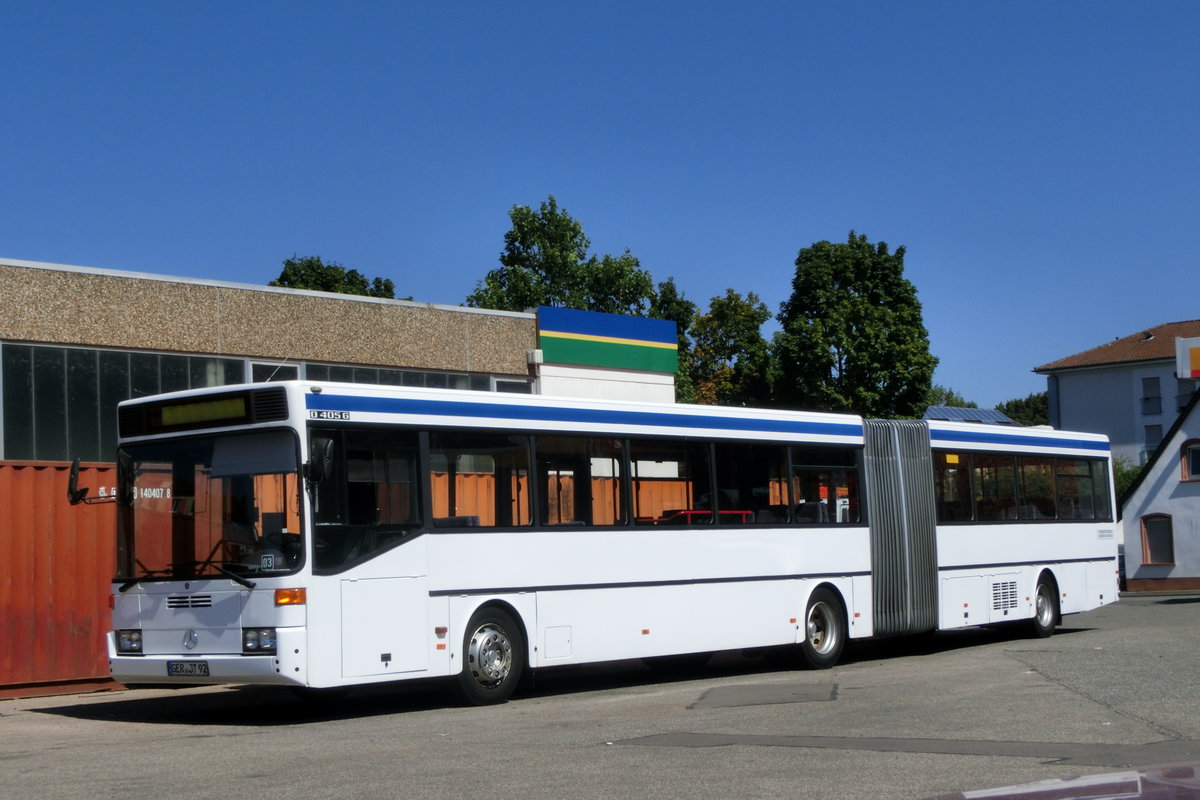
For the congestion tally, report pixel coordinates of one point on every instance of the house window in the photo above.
(1191, 460)
(1153, 436)
(1158, 540)
(1151, 397)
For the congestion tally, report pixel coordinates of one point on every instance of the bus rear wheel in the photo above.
(1045, 608)
(493, 657)
(824, 629)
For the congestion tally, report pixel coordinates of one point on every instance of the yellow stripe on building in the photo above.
(587, 337)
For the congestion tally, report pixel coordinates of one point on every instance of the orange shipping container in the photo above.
(56, 565)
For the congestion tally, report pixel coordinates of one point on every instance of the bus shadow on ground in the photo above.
(928, 644)
(260, 706)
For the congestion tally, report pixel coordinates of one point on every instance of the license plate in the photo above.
(187, 669)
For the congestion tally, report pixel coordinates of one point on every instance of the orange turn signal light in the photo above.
(291, 597)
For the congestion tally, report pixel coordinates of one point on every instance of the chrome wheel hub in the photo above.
(489, 655)
(822, 628)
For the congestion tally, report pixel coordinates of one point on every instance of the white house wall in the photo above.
(1109, 401)
(1163, 492)
(1097, 401)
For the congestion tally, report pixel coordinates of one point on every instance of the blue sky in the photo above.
(1037, 159)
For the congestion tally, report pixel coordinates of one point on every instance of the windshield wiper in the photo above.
(233, 576)
(167, 575)
(150, 575)
(129, 584)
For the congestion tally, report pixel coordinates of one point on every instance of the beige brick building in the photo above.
(74, 341)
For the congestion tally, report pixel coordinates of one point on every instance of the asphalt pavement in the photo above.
(906, 718)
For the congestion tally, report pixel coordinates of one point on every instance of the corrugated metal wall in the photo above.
(56, 567)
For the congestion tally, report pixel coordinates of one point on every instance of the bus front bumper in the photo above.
(286, 667)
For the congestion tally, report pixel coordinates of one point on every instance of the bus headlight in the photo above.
(129, 642)
(258, 641)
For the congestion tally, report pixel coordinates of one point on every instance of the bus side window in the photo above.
(670, 482)
(479, 480)
(1037, 487)
(952, 486)
(579, 480)
(368, 500)
(751, 484)
(1083, 489)
(994, 482)
(824, 485)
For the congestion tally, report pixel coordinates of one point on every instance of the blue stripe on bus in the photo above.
(593, 416)
(988, 437)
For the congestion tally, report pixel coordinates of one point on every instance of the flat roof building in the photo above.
(74, 341)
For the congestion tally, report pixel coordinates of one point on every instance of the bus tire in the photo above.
(824, 629)
(493, 657)
(1045, 608)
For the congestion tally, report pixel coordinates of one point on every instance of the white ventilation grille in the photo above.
(1004, 595)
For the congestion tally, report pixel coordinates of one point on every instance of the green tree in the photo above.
(669, 303)
(1031, 410)
(1125, 474)
(730, 355)
(853, 338)
(545, 262)
(313, 274)
(945, 396)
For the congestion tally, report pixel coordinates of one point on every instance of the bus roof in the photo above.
(380, 404)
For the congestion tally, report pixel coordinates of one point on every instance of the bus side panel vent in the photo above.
(131, 420)
(269, 405)
(1004, 595)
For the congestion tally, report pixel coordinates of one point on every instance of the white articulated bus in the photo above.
(326, 535)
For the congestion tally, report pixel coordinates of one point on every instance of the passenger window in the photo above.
(579, 480)
(369, 499)
(671, 484)
(479, 479)
(751, 484)
(995, 487)
(824, 485)
(1082, 489)
(1037, 487)
(952, 486)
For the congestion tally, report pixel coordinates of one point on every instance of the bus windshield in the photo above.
(209, 506)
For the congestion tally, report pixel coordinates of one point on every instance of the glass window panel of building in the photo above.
(59, 403)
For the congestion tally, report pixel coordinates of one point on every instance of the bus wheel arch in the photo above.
(495, 654)
(1046, 610)
(825, 627)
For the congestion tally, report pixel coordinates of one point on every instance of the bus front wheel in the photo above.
(824, 629)
(493, 656)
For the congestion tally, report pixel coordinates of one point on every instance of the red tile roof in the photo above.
(1152, 344)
